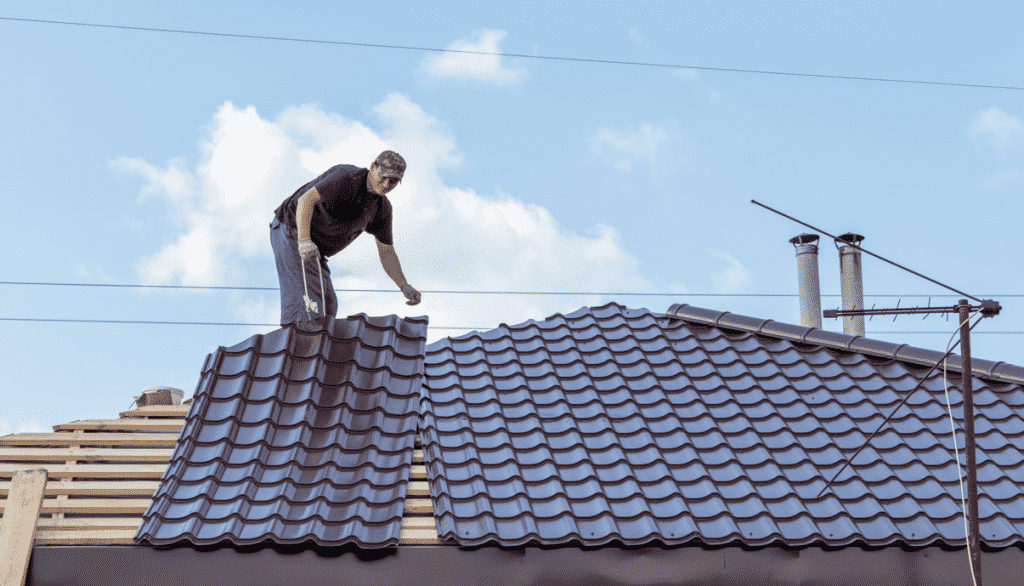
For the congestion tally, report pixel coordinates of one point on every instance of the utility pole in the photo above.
(988, 308)
(967, 386)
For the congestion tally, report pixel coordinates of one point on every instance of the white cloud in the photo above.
(467, 66)
(733, 277)
(175, 181)
(652, 148)
(1004, 129)
(447, 238)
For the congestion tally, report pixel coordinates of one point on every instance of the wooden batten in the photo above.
(90, 439)
(86, 537)
(89, 524)
(71, 453)
(111, 506)
(122, 425)
(157, 411)
(112, 471)
(419, 506)
(95, 488)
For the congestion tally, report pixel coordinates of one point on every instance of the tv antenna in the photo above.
(987, 308)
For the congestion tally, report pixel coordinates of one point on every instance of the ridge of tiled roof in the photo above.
(986, 369)
(297, 436)
(616, 424)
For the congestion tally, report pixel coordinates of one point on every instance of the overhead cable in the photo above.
(177, 323)
(216, 287)
(481, 328)
(521, 55)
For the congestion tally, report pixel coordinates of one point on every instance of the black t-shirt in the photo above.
(346, 209)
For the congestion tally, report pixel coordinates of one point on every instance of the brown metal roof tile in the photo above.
(612, 424)
(297, 437)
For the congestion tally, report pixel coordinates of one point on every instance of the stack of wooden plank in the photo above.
(102, 475)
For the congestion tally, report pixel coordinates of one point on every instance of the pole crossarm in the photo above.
(894, 311)
(988, 308)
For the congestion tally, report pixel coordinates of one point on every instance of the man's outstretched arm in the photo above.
(389, 260)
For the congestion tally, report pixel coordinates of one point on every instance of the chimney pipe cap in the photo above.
(850, 238)
(804, 238)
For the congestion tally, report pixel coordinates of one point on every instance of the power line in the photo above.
(578, 59)
(179, 323)
(931, 332)
(478, 292)
(481, 328)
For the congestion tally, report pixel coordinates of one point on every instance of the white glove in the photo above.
(307, 249)
(411, 294)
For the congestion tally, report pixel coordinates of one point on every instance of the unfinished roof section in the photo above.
(297, 437)
(616, 424)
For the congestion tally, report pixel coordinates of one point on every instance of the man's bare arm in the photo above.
(389, 260)
(304, 211)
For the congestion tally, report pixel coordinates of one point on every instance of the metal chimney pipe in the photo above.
(807, 277)
(852, 282)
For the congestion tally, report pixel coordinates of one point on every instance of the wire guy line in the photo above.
(521, 55)
(447, 292)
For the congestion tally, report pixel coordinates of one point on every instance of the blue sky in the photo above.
(158, 158)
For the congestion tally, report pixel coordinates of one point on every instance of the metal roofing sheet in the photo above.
(617, 424)
(297, 436)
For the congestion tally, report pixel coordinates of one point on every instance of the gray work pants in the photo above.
(284, 241)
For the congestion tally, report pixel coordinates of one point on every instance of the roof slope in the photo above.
(295, 436)
(612, 423)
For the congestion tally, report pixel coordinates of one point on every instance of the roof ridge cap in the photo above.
(846, 342)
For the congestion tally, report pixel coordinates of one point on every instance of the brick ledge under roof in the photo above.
(984, 369)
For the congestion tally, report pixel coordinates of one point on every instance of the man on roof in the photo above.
(319, 220)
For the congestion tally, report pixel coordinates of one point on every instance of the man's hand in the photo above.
(411, 294)
(307, 249)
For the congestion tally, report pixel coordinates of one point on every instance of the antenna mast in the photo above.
(987, 308)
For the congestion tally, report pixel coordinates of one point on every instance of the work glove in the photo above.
(411, 294)
(307, 249)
